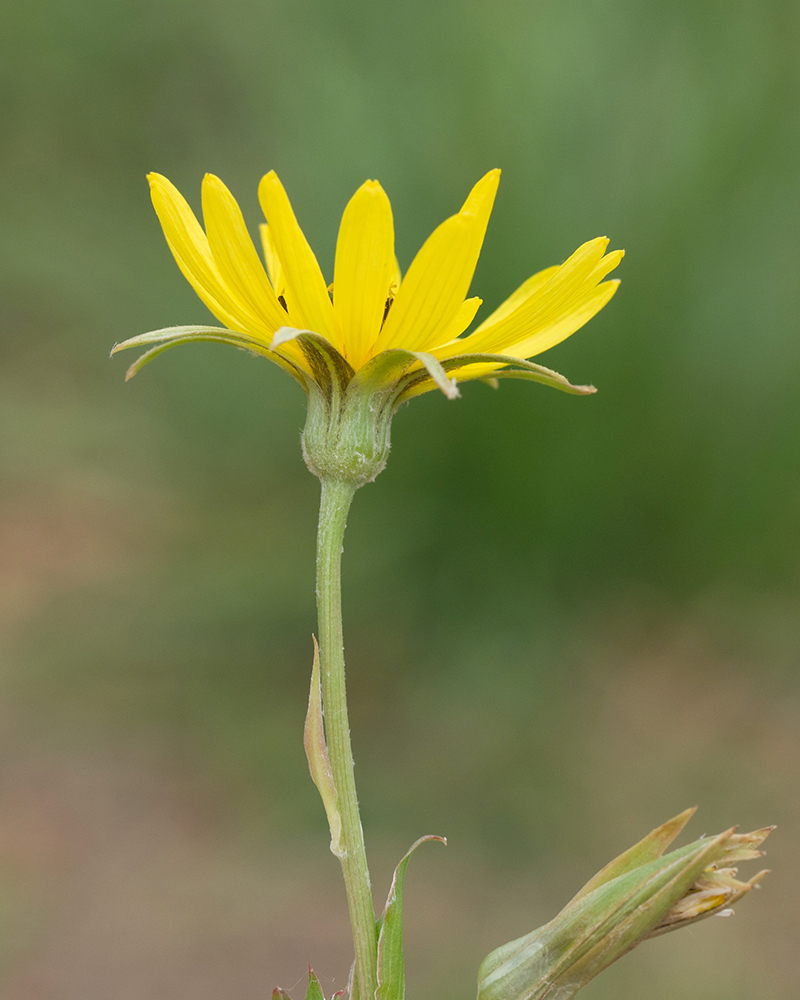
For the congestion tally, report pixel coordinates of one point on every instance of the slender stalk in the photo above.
(334, 505)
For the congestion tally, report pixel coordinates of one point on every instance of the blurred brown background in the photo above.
(567, 619)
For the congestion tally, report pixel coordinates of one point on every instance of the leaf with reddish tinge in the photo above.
(314, 990)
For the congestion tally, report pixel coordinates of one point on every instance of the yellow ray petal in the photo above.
(566, 286)
(480, 200)
(364, 268)
(189, 247)
(431, 291)
(459, 323)
(235, 255)
(607, 265)
(306, 287)
(439, 277)
(563, 327)
(524, 292)
(272, 260)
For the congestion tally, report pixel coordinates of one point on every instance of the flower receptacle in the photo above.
(347, 435)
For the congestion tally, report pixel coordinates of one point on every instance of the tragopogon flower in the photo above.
(369, 331)
(639, 895)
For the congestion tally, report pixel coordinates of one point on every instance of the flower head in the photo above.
(370, 331)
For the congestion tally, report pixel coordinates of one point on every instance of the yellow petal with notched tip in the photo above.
(549, 301)
(189, 246)
(365, 265)
(579, 314)
(235, 255)
(607, 265)
(438, 280)
(459, 323)
(548, 304)
(524, 292)
(271, 259)
(305, 285)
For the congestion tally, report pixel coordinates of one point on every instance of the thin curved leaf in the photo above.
(391, 974)
(514, 368)
(172, 332)
(174, 336)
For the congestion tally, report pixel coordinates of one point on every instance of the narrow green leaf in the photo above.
(174, 336)
(560, 383)
(529, 370)
(417, 382)
(279, 994)
(391, 975)
(173, 332)
(317, 753)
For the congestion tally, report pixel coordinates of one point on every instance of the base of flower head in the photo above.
(347, 437)
(347, 433)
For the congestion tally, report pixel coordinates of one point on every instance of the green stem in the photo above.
(334, 505)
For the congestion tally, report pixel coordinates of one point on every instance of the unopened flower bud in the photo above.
(640, 894)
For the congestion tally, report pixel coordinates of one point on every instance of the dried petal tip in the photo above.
(717, 887)
(640, 894)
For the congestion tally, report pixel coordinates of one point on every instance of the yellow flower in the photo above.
(368, 309)
(363, 345)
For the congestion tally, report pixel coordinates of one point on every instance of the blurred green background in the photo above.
(567, 619)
